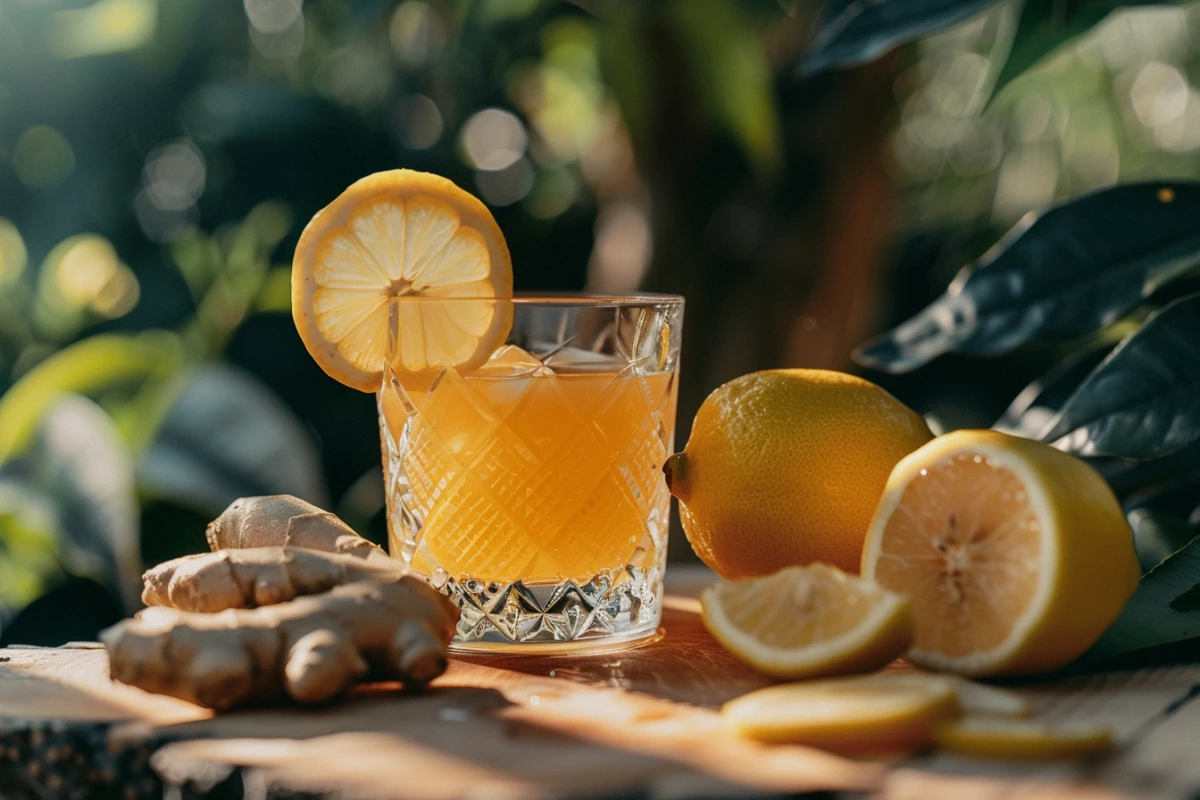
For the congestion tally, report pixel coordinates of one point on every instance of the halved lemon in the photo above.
(873, 715)
(1016, 556)
(389, 240)
(805, 622)
(1021, 739)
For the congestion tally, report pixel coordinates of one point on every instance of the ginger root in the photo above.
(260, 576)
(292, 602)
(282, 520)
(311, 648)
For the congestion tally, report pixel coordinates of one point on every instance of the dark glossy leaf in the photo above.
(1047, 24)
(1143, 401)
(1175, 494)
(228, 436)
(83, 468)
(75, 610)
(1161, 611)
(1071, 271)
(1038, 402)
(857, 31)
(1133, 481)
(1157, 536)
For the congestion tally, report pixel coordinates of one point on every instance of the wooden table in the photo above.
(637, 722)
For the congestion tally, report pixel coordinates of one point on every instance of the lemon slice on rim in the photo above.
(1021, 739)
(872, 715)
(388, 240)
(806, 622)
(1016, 556)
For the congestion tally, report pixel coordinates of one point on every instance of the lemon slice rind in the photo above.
(1020, 740)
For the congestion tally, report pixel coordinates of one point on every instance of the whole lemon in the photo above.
(786, 467)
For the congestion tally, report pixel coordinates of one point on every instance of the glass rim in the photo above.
(563, 299)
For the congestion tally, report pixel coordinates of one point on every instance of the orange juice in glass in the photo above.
(529, 487)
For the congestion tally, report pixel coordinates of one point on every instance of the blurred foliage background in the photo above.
(158, 160)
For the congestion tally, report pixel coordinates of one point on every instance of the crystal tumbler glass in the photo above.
(527, 483)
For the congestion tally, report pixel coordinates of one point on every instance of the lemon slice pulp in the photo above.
(805, 622)
(1021, 740)
(875, 715)
(365, 263)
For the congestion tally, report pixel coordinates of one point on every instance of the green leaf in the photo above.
(625, 66)
(1075, 269)
(1162, 611)
(728, 63)
(88, 367)
(854, 32)
(228, 436)
(82, 466)
(1045, 25)
(1143, 400)
(29, 543)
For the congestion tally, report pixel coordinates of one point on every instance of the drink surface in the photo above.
(528, 471)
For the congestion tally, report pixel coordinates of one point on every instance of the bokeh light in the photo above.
(85, 272)
(418, 121)
(417, 34)
(174, 175)
(273, 16)
(13, 255)
(493, 139)
(624, 244)
(106, 26)
(43, 157)
(503, 187)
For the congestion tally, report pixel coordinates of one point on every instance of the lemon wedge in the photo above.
(1016, 556)
(1020, 740)
(389, 240)
(874, 715)
(805, 622)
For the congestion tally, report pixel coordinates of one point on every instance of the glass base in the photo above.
(560, 617)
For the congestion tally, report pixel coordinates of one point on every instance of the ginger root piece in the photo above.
(281, 520)
(311, 648)
(260, 576)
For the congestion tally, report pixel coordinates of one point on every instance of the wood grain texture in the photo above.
(637, 721)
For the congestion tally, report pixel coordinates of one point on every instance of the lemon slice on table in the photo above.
(1016, 556)
(873, 715)
(973, 698)
(1021, 739)
(390, 238)
(805, 622)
